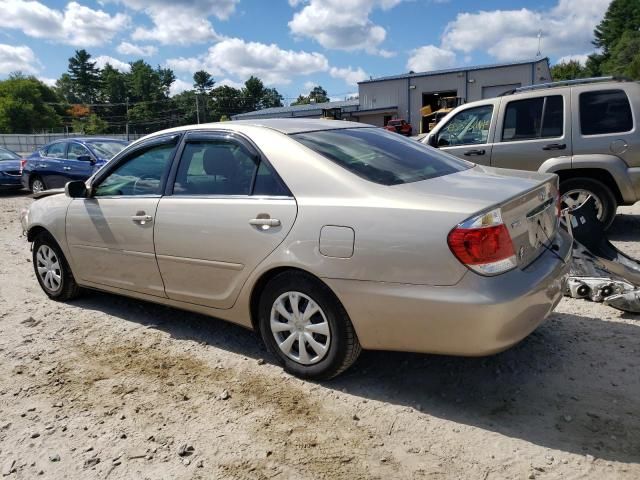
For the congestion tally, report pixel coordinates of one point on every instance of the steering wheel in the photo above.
(142, 189)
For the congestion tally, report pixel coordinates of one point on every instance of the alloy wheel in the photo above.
(573, 199)
(300, 328)
(49, 270)
(37, 186)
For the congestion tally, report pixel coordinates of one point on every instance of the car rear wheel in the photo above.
(577, 191)
(52, 270)
(304, 325)
(37, 185)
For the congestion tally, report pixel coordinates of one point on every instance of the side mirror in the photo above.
(76, 189)
(431, 141)
(86, 158)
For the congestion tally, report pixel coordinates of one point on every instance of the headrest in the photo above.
(219, 161)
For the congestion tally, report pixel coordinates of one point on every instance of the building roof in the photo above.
(298, 108)
(455, 70)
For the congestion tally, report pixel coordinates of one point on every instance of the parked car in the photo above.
(64, 160)
(326, 237)
(399, 126)
(582, 130)
(9, 170)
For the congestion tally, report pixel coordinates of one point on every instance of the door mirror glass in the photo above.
(75, 189)
(85, 158)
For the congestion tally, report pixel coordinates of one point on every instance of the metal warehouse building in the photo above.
(420, 97)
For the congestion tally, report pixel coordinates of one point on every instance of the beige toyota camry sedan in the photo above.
(325, 236)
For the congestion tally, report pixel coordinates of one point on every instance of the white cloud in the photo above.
(241, 59)
(126, 48)
(51, 82)
(77, 25)
(581, 59)
(309, 85)
(349, 75)
(181, 23)
(17, 58)
(430, 57)
(512, 34)
(348, 96)
(229, 83)
(180, 86)
(187, 64)
(102, 60)
(341, 24)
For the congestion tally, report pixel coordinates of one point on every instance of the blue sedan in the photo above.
(9, 170)
(62, 161)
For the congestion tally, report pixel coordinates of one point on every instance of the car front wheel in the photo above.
(304, 325)
(577, 191)
(52, 270)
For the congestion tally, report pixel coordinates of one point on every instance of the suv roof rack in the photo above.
(565, 83)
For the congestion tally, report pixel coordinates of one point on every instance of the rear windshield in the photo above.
(381, 156)
(107, 149)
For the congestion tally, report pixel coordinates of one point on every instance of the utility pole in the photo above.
(539, 44)
(127, 122)
(197, 110)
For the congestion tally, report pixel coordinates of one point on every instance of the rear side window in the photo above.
(605, 111)
(532, 118)
(221, 167)
(381, 156)
(56, 150)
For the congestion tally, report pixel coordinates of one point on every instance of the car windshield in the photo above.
(107, 149)
(8, 155)
(380, 156)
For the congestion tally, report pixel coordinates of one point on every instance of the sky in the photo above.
(292, 45)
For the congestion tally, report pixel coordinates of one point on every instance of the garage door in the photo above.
(497, 90)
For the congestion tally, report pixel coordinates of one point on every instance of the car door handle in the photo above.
(42, 165)
(142, 218)
(264, 222)
(66, 168)
(555, 146)
(471, 153)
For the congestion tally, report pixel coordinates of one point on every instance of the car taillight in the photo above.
(23, 162)
(484, 244)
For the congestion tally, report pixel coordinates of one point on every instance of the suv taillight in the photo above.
(23, 162)
(484, 244)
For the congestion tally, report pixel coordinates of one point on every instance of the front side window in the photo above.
(56, 150)
(381, 156)
(605, 111)
(469, 127)
(76, 150)
(140, 174)
(532, 118)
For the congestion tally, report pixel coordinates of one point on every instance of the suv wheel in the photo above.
(576, 191)
(37, 185)
(304, 325)
(52, 270)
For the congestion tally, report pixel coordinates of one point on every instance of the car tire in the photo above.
(37, 185)
(605, 199)
(52, 269)
(330, 341)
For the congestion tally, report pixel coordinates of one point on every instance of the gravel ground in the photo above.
(108, 387)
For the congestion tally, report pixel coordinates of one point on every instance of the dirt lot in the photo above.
(107, 387)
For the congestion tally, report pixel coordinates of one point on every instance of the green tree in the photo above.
(271, 98)
(624, 57)
(316, 95)
(203, 82)
(185, 103)
(253, 92)
(91, 125)
(25, 105)
(568, 71)
(113, 85)
(227, 101)
(65, 89)
(85, 76)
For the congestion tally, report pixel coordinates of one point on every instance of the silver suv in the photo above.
(586, 131)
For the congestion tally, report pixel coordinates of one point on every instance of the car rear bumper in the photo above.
(478, 316)
(10, 181)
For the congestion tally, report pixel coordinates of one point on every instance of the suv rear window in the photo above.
(605, 111)
(380, 156)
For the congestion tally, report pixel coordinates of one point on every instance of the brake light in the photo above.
(484, 244)
(23, 162)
